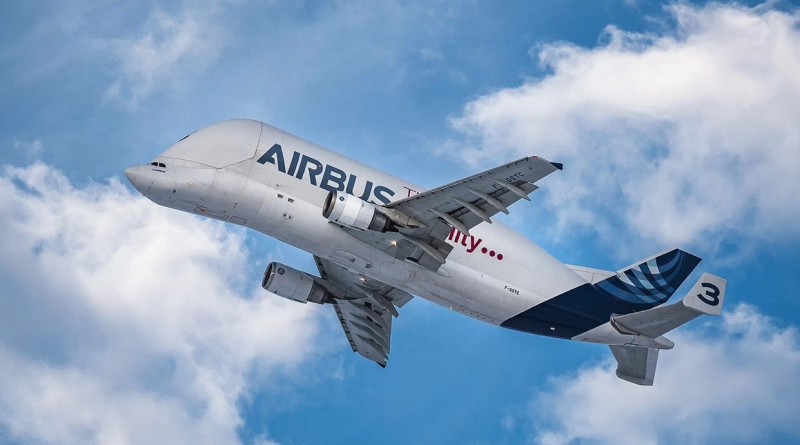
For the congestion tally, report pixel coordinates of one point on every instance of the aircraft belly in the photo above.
(395, 270)
(459, 285)
(456, 286)
(473, 293)
(462, 289)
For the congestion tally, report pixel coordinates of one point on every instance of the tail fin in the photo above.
(638, 364)
(650, 282)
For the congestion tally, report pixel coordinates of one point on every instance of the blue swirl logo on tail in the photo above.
(651, 282)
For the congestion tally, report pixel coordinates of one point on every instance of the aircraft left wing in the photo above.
(365, 308)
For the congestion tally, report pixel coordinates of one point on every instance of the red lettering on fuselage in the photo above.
(410, 191)
(471, 243)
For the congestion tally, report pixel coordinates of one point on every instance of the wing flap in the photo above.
(367, 329)
(365, 308)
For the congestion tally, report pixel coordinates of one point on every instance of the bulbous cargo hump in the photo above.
(220, 144)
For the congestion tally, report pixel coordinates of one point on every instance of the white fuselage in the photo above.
(492, 275)
(249, 173)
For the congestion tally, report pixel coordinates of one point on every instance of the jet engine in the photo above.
(350, 211)
(292, 284)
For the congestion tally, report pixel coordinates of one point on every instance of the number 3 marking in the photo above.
(712, 292)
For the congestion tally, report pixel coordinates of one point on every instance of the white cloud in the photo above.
(169, 49)
(687, 134)
(733, 382)
(125, 322)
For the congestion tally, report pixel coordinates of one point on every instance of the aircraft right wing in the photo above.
(475, 199)
(427, 218)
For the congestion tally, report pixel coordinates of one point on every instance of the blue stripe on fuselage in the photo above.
(589, 306)
(571, 313)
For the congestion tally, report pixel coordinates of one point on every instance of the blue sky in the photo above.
(676, 124)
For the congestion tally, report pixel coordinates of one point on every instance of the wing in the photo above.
(461, 205)
(365, 308)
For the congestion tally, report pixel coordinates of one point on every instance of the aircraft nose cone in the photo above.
(131, 173)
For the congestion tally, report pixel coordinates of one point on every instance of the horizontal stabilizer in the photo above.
(705, 297)
(635, 364)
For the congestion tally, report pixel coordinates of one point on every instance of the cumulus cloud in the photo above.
(733, 382)
(167, 50)
(125, 322)
(680, 135)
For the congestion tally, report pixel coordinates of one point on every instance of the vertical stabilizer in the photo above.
(636, 365)
(650, 282)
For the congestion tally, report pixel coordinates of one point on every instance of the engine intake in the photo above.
(350, 211)
(292, 284)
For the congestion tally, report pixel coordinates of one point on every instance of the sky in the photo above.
(127, 323)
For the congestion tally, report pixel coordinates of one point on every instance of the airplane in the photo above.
(377, 240)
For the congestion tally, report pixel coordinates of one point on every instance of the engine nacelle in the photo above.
(292, 284)
(350, 211)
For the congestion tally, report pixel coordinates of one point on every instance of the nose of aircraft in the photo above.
(131, 173)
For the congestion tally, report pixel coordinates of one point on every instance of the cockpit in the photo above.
(158, 164)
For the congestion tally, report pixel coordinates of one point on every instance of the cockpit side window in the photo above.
(162, 165)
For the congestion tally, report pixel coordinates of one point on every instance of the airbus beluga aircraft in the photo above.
(378, 239)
